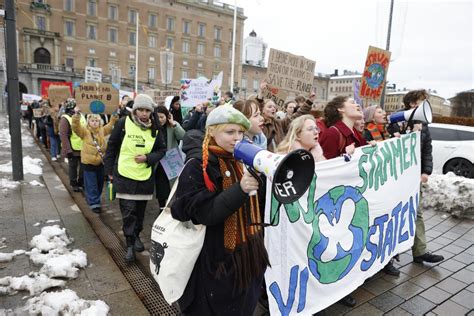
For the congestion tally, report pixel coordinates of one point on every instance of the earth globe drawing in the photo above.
(97, 107)
(377, 74)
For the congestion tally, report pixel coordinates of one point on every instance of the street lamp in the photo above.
(166, 66)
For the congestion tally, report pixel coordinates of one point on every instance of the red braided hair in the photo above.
(205, 157)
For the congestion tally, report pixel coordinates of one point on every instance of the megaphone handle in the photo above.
(255, 175)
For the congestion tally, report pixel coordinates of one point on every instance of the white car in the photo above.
(453, 149)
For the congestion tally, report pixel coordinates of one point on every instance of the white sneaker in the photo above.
(58, 156)
(54, 159)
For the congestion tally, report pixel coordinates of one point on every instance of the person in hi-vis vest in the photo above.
(135, 146)
(71, 145)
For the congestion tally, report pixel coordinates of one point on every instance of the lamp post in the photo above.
(387, 47)
(166, 67)
(232, 66)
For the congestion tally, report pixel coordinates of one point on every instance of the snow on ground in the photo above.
(30, 165)
(57, 261)
(6, 184)
(5, 139)
(36, 183)
(65, 302)
(449, 193)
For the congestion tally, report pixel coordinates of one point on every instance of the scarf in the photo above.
(143, 125)
(378, 131)
(243, 236)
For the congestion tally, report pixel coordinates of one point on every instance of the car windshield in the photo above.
(448, 134)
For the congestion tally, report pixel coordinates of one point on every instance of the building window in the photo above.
(152, 41)
(200, 74)
(186, 47)
(68, 5)
(244, 83)
(91, 32)
(200, 49)
(42, 56)
(184, 74)
(132, 38)
(217, 33)
(186, 27)
(152, 20)
(131, 70)
(91, 7)
(217, 51)
(113, 12)
(91, 62)
(132, 17)
(41, 23)
(201, 29)
(151, 74)
(68, 28)
(69, 62)
(169, 43)
(113, 35)
(170, 24)
(256, 85)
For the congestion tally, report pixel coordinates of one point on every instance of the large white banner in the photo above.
(353, 219)
(200, 90)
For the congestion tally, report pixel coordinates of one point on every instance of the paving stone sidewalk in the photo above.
(25, 205)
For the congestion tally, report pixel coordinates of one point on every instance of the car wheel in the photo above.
(460, 167)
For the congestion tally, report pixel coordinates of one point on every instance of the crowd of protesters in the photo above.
(213, 187)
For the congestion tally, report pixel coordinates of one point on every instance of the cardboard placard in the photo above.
(45, 85)
(159, 96)
(57, 95)
(288, 73)
(37, 113)
(375, 73)
(97, 98)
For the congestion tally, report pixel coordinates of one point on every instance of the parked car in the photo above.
(453, 149)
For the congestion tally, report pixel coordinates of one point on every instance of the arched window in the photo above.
(42, 56)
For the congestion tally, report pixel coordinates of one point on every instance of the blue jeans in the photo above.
(93, 184)
(53, 142)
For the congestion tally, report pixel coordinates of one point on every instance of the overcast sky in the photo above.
(431, 43)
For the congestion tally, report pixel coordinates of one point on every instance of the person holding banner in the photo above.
(340, 137)
(92, 154)
(134, 147)
(412, 100)
(303, 133)
(71, 145)
(251, 111)
(173, 133)
(213, 190)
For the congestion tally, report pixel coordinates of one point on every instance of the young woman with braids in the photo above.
(213, 190)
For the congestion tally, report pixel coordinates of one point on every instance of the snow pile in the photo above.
(30, 165)
(6, 184)
(449, 193)
(6, 257)
(35, 283)
(51, 237)
(5, 139)
(60, 263)
(36, 183)
(65, 302)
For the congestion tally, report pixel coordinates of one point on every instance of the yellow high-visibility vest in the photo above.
(76, 141)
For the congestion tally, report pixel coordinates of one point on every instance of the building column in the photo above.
(56, 52)
(27, 45)
(35, 85)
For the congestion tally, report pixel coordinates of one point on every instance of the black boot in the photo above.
(130, 256)
(138, 246)
(348, 301)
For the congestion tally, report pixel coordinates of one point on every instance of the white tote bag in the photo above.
(175, 247)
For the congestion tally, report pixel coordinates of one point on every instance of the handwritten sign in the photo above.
(288, 73)
(45, 85)
(375, 73)
(57, 95)
(172, 163)
(37, 113)
(97, 98)
(93, 74)
(200, 90)
(159, 96)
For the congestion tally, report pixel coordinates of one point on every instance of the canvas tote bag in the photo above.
(175, 247)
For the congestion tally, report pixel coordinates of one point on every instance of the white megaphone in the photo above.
(290, 174)
(422, 113)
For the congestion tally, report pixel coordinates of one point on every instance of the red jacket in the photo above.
(336, 138)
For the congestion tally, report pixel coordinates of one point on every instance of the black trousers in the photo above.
(133, 213)
(76, 174)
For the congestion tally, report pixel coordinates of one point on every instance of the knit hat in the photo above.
(369, 113)
(69, 104)
(226, 114)
(143, 101)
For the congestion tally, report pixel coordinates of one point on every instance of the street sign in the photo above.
(93, 74)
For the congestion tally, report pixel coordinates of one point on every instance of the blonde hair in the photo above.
(294, 131)
(95, 116)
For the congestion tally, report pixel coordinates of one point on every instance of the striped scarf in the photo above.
(378, 132)
(243, 234)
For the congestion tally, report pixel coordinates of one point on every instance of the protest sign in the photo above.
(57, 95)
(30, 97)
(92, 74)
(352, 220)
(37, 113)
(288, 73)
(159, 96)
(45, 85)
(172, 163)
(97, 98)
(200, 90)
(375, 73)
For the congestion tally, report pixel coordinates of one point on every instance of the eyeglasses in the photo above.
(313, 129)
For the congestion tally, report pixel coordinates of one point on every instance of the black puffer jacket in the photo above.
(426, 150)
(123, 184)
